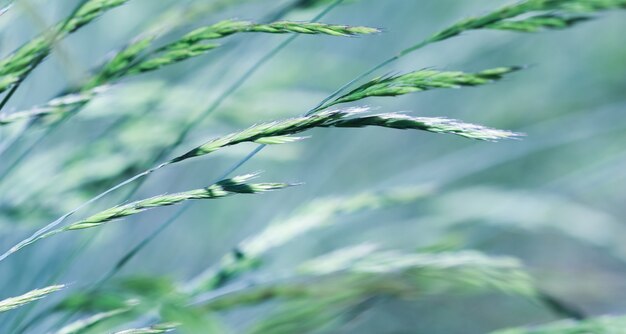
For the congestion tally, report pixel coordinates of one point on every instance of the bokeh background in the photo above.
(554, 199)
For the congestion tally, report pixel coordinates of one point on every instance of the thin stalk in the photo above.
(8, 96)
(55, 223)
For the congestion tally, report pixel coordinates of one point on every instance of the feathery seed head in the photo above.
(540, 22)
(548, 18)
(89, 11)
(229, 27)
(31, 296)
(17, 65)
(227, 187)
(420, 81)
(278, 132)
(120, 62)
(56, 106)
(171, 56)
(430, 124)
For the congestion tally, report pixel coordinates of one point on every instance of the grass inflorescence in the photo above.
(194, 43)
(420, 81)
(31, 296)
(279, 132)
(228, 187)
(17, 65)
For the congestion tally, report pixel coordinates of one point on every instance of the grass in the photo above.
(235, 185)
(29, 297)
(341, 282)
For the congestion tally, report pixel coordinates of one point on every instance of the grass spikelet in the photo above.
(229, 27)
(17, 65)
(590, 5)
(540, 22)
(90, 11)
(228, 187)
(57, 106)
(420, 81)
(348, 118)
(120, 62)
(498, 18)
(31, 296)
(224, 188)
(194, 43)
(430, 124)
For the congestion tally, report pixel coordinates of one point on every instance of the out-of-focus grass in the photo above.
(553, 199)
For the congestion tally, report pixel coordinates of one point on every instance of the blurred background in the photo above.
(554, 199)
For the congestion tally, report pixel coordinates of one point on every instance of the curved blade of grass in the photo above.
(15, 302)
(228, 187)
